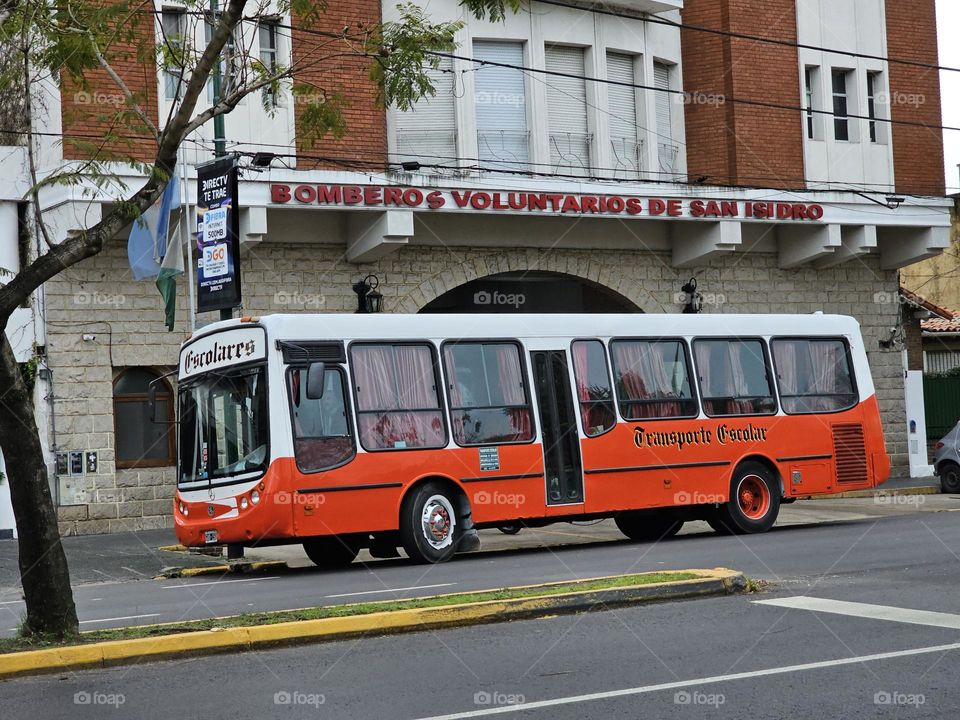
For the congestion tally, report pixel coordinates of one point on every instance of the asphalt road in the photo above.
(728, 657)
(789, 555)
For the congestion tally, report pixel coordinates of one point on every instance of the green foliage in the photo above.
(495, 10)
(402, 51)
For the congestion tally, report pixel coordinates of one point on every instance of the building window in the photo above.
(229, 63)
(503, 136)
(813, 375)
(734, 378)
(570, 137)
(811, 90)
(841, 105)
(652, 379)
(427, 132)
(173, 27)
(594, 390)
(489, 402)
(873, 90)
(626, 147)
(269, 56)
(667, 149)
(138, 440)
(398, 405)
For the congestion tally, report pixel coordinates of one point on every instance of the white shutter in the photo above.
(667, 148)
(622, 104)
(567, 110)
(503, 139)
(427, 133)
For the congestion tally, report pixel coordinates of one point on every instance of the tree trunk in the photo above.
(43, 564)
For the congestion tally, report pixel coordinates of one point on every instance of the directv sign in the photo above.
(218, 236)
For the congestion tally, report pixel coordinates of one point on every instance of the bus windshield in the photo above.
(223, 427)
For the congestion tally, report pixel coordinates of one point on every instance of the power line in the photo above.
(747, 36)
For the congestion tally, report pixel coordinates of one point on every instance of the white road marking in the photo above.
(125, 617)
(647, 689)
(130, 569)
(388, 590)
(218, 582)
(867, 610)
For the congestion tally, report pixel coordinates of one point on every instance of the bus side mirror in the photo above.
(316, 374)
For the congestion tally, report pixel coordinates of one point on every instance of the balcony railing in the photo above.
(435, 151)
(627, 156)
(505, 150)
(667, 154)
(570, 152)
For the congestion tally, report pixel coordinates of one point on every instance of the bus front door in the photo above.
(558, 424)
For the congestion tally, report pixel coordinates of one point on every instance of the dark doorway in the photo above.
(558, 422)
(531, 292)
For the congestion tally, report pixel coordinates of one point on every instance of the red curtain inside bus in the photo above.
(646, 389)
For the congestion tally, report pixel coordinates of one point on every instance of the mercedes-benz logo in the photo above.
(210, 510)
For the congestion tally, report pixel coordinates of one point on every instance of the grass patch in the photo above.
(317, 613)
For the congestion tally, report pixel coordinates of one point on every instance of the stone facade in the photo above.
(127, 321)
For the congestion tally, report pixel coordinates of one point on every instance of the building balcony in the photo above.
(647, 6)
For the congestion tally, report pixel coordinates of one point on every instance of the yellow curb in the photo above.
(880, 492)
(709, 582)
(237, 568)
(173, 548)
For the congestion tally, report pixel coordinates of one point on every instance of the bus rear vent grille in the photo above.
(302, 353)
(849, 453)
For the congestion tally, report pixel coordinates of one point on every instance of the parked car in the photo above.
(946, 461)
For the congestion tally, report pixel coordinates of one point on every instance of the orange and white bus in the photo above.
(344, 432)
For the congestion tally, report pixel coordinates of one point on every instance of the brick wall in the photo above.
(98, 110)
(366, 137)
(737, 143)
(915, 96)
(127, 320)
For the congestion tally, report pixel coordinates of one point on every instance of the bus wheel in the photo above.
(950, 477)
(648, 526)
(428, 524)
(330, 551)
(510, 528)
(753, 505)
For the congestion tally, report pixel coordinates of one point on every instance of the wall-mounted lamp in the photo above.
(693, 299)
(410, 165)
(368, 299)
(262, 159)
(895, 201)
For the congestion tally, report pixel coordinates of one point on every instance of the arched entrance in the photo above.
(531, 292)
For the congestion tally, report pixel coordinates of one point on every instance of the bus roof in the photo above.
(325, 326)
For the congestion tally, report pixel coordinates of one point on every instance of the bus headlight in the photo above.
(255, 497)
(183, 510)
(243, 503)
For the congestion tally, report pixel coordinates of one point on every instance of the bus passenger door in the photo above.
(558, 423)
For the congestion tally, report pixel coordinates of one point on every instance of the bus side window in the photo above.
(321, 430)
(814, 375)
(652, 380)
(734, 378)
(594, 390)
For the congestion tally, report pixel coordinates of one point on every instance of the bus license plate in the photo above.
(210, 536)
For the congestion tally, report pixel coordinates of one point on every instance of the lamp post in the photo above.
(693, 299)
(368, 299)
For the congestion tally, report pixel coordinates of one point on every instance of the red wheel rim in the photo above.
(753, 495)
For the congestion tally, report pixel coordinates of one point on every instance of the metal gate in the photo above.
(941, 399)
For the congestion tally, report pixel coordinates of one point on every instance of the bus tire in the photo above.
(429, 524)
(330, 551)
(753, 505)
(949, 477)
(646, 527)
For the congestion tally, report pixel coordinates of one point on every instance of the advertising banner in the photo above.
(218, 236)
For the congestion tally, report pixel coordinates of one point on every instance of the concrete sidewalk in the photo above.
(125, 557)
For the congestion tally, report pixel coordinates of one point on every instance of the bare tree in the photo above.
(65, 42)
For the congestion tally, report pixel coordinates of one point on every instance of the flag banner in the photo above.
(218, 236)
(148, 236)
(170, 269)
